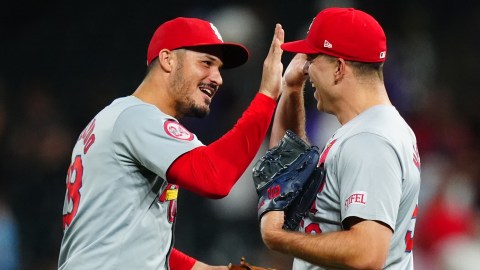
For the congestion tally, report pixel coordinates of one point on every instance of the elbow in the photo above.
(218, 192)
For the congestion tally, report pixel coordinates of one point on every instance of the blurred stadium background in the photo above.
(63, 61)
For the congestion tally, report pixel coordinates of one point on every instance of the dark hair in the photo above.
(362, 69)
(154, 63)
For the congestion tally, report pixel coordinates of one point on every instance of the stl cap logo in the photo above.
(310, 26)
(382, 54)
(327, 44)
(215, 30)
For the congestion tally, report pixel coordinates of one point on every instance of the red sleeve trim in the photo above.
(180, 261)
(212, 170)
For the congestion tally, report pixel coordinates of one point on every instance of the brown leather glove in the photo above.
(244, 265)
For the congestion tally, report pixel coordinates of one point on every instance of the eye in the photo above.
(207, 63)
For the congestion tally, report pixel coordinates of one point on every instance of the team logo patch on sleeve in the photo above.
(357, 197)
(177, 131)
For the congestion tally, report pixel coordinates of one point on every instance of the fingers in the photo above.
(305, 68)
(301, 61)
(297, 72)
(272, 66)
(278, 39)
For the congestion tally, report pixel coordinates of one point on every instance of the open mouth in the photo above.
(208, 90)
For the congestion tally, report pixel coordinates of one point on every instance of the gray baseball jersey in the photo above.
(118, 206)
(372, 172)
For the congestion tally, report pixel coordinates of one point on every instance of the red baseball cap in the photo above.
(347, 33)
(195, 33)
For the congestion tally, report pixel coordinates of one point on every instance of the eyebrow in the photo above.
(213, 58)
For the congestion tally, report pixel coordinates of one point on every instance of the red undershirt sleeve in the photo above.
(180, 261)
(212, 170)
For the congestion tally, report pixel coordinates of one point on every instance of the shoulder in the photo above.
(135, 112)
(134, 116)
(383, 121)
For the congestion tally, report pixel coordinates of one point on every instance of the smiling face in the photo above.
(194, 81)
(321, 69)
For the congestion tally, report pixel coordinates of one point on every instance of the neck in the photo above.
(359, 99)
(153, 90)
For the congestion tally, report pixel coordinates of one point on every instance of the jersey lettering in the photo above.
(410, 232)
(72, 196)
(313, 228)
(87, 136)
(327, 148)
(416, 157)
(358, 197)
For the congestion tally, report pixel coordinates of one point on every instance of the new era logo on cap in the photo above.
(327, 44)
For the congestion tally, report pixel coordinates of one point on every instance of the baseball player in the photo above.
(364, 213)
(129, 162)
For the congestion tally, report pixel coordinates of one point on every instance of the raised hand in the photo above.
(296, 72)
(273, 67)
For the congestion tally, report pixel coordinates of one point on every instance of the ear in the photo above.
(166, 59)
(340, 70)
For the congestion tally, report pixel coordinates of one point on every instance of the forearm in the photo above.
(337, 250)
(290, 114)
(364, 246)
(213, 170)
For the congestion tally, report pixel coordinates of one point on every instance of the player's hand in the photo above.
(273, 67)
(296, 72)
(271, 227)
(202, 266)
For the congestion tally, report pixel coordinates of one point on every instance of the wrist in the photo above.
(268, 94)
(293, 87)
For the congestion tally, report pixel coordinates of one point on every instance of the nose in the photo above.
(216, 76)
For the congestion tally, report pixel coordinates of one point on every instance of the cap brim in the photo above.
(299, 46)
(234, 55)
(231, 54)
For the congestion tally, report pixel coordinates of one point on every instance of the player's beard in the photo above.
(185, 104)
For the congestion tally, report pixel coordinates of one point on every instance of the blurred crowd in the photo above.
(61, 64)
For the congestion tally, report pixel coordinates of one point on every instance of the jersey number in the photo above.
(313, 228)
(72, 196)
(410, 232)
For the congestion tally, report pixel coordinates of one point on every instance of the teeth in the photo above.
(313, 85)
(207, 91)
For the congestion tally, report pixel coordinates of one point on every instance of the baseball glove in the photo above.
(298, 209)
(282, 178)
(244, 265)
